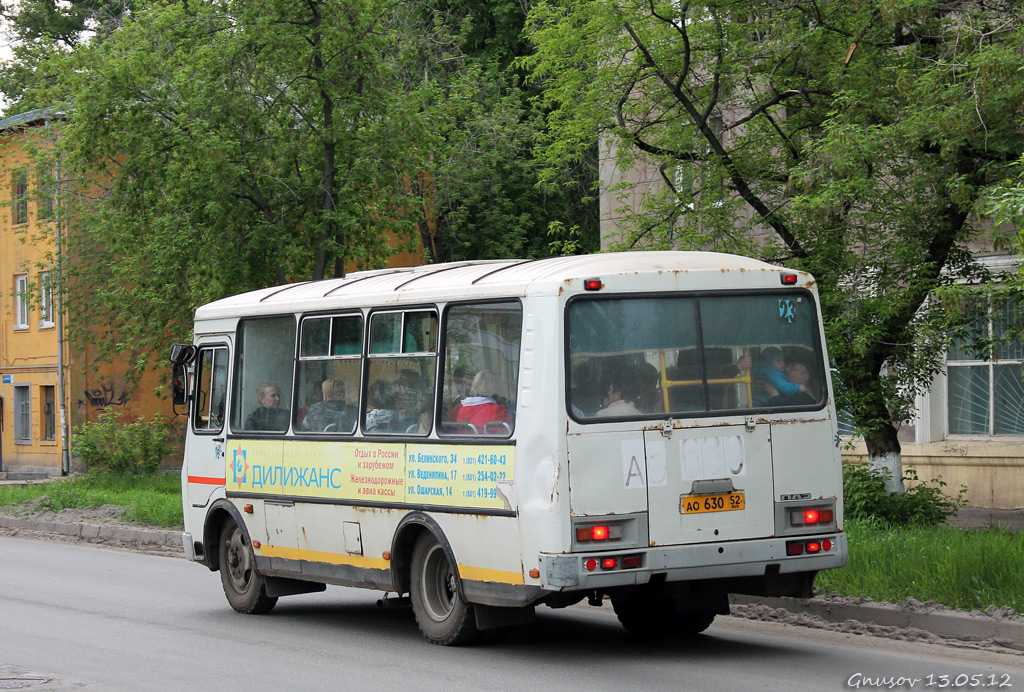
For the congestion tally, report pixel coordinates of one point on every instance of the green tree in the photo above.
(856, 137)
(38, 29)
(478, 180)
(216, 147)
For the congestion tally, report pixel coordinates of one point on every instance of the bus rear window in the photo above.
(693, 355)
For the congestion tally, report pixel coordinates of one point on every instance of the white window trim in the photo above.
(21, 309)
(46, 300)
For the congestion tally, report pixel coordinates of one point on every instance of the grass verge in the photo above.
(150, 500)
(966, 569)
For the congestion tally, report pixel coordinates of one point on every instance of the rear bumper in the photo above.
(704, 561)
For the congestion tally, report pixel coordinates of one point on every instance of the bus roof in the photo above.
(474, 279)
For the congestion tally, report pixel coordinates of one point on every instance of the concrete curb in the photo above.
(1000, 629)
(105, 533)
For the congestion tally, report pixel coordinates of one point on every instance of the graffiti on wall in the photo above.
(105, 395)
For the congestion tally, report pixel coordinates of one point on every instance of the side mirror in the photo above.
(179, 384)
(183, 354)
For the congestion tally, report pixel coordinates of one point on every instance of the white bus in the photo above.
(657, 428)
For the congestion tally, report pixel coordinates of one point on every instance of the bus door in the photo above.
(205, 461)
(709, 484)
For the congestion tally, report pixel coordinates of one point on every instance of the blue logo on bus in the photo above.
(240, 467)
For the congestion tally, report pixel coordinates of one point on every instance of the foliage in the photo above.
(216, 147)
(477, 180)
(959, 568)
(853, 140)
(865, 498)
(38, 29)
(131, 449)
(154, 500)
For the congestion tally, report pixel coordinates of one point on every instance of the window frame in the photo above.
(19, 198)
(369, 356)
(22, 312)
(48, 410)
(22, 414)
(991, 319)
(46, 316)
(358, 357)
(236, 389)
(821, 372)
(198, 379)
(442, 351)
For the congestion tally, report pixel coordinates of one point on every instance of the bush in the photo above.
(923, 504)
(122, 448)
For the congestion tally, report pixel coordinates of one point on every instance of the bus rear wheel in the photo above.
(652, 612)
(443, 616)
(244, 587)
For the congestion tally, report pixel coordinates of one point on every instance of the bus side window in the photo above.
(262, 391)
(481, 369)
(211, 390)
(328, 376)
(402, 362)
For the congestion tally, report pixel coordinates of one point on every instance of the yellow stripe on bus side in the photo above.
(485, 574)
(319, 556)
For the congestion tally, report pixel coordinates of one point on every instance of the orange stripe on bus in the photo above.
(204, 480)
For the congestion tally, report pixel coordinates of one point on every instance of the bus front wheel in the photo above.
(243, 585)
(442, 615)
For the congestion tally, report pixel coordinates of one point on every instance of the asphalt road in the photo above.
(75, 617)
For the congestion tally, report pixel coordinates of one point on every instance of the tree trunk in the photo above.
(885, 453)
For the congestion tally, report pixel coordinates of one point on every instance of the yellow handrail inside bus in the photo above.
(666, 383)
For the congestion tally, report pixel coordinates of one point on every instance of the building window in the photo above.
(985, 393)
(21, 301)
(19, 198)
(47, 204)
(49, 413)
(46, 299)
(22, 414)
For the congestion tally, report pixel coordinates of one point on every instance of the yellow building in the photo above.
(33, 395)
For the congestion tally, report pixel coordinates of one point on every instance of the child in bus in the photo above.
(772, 381)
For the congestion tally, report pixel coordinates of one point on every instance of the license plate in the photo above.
(698, 504)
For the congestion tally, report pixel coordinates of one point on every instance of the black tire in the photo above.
(652, 612)
(244, 587)
(443, 616)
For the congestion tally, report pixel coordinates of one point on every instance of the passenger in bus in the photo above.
(380, 407)
(269, 416)
(797, 373)
(409, 399)
(481, 406)
(648, 388)
(770, 373)
(332, 414)
(621, 395)
(459, 387)
(586, 394)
